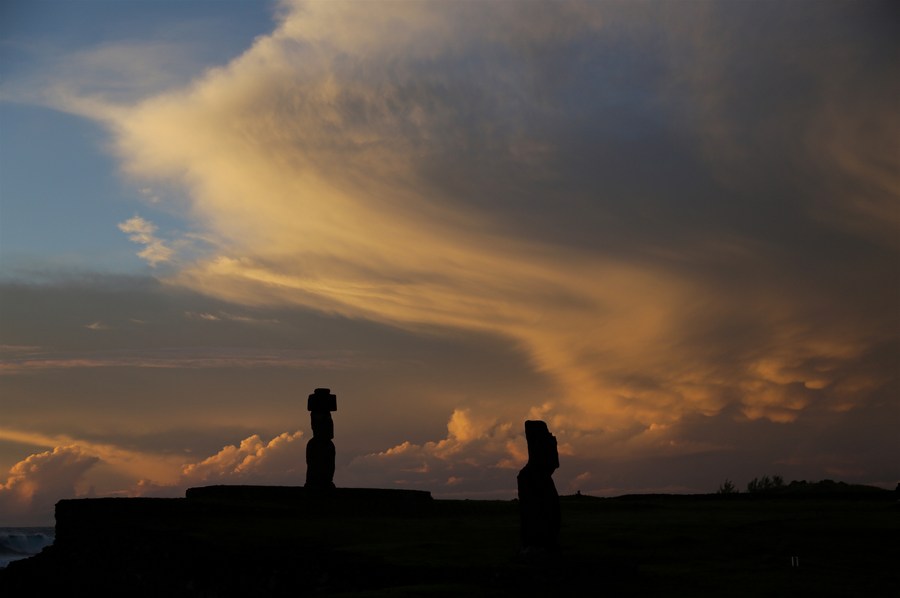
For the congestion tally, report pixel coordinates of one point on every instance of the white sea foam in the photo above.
(22, 542)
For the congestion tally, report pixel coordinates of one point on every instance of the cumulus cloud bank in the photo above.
(35, 484)
(252, 462)
(464, 463)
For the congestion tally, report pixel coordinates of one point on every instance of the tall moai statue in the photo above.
(320, 448)
(538, 499)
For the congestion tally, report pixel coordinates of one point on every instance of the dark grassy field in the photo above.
(739, 546)
(647, 546)
(629, 546)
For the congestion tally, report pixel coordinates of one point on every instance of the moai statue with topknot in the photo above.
(538, 499)
(320, 448)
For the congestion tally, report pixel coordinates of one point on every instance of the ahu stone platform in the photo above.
(85, 521)
(217, 541)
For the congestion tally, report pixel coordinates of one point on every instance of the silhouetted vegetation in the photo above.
(775, 485)
(829, 487)
(727, 487)
(765, 484)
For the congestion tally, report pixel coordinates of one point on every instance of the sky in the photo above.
(671, 230)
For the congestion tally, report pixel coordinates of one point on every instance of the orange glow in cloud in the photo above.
(130, 463)
(77, 468)
(306, 180)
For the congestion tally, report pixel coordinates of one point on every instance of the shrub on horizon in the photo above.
(727, 487)
(765, 484)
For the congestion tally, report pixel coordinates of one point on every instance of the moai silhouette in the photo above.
(320, 448)
(538, 499)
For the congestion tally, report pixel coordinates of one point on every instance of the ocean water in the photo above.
(22, 542)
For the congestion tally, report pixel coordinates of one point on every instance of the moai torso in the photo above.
(320, 448)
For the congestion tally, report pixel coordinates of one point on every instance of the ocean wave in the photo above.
(22, 542)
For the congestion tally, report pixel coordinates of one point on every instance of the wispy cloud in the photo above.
(186, 358)
(226, 316)
(143, 232)
(149, 194)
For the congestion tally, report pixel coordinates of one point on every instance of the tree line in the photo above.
(775, 484)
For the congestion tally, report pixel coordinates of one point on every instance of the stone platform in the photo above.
(84, 520)
(378, 498)
(219, 541)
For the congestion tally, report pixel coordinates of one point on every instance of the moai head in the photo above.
(322, 400)
(542, 450)
(320, 405)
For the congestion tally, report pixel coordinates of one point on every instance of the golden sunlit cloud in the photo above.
(143, 232)
(36, 483)
(130, 463)
(310, 175)
(253, 460)
(473, 449)
(70, 469)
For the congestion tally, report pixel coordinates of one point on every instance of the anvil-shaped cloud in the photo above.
(387, 162)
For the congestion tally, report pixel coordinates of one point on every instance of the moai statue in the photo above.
(320, 448)
(538, 499)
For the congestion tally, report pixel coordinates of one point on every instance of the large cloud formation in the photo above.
(391, 162)
(683, 215)
(35, 484)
